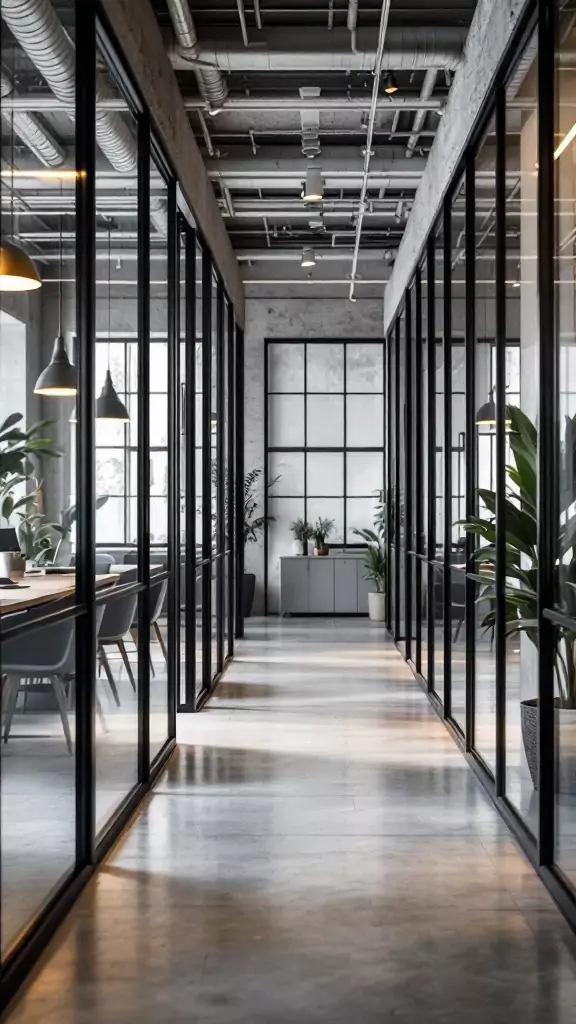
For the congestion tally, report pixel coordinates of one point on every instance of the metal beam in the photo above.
(271, 101)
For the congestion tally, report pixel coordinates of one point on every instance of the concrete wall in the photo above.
(290, 318)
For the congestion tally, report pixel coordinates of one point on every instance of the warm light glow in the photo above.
(565, 142)
(8, 283)
(308, 258)
(313, 191)
(390, 84)
(56, 392)
(17, 271)
(43, 174)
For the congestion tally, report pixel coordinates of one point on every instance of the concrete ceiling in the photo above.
(298, 84)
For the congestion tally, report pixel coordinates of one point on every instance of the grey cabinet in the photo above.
(332, 585)
(345, 586)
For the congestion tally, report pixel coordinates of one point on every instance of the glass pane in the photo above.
(325, 367)
(325, 421)
(286, 367)
(286, 421)
(440, 454)
(364, 366)
(288, 468)
(359, 516)
(364, 421)
(325, 473)
(116, 308)
(422, 473)
(457, 555)
(364, 473)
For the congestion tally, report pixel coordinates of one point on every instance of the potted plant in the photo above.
(520, 594)
(375, 559)
(253, 528)
(68, 517)
(302, 532)
(320, 531)
(19, 453)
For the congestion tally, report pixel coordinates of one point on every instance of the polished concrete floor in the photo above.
(318, 851)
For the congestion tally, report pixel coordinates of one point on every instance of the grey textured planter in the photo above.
(565, 729)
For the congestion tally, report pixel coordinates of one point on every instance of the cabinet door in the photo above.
(294, 586)
(365, 587)
(321, 586)
(345, 585)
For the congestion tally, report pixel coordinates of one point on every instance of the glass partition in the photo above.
(438, 553)
(457, 500)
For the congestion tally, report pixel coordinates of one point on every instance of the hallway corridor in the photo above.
(318, 851)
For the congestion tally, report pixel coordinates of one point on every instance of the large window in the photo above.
(325, 440)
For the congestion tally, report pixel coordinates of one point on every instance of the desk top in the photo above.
(42, 589)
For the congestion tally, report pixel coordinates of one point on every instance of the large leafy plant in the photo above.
(254, 523)
(20, 451)
(521, 518)
(375, 558)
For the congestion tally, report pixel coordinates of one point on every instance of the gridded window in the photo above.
(117, 445)
(325, 439)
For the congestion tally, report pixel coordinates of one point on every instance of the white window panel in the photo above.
(325, 474)
(286, 421)
(325, 367)
(325, 421)
(285, 367)
(364, 421)
(365, 366)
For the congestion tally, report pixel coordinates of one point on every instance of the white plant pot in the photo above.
(377, 607)
(296, 547)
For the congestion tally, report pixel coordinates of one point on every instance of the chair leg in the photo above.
(100, 714)
(109, 676)
(160, 639)
(60, 695)
(12, 688)
(123, 652)
(152, 667)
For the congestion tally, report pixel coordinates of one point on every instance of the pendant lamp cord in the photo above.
(109, 290)
(12, 175)
(61, 265)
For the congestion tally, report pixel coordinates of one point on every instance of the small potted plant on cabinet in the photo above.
(302, 532)
(375, 560)
(320, 532)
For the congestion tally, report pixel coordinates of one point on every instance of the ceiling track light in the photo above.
(313, 187)
(390, 83)
(308, 258)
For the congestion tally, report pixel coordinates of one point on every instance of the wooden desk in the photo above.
(42, 589)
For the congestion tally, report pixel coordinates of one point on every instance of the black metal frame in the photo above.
(539, 849)
(93, 35)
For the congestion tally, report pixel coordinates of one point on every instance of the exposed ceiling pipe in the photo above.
(331, 253)
(310, 120)
(330, 15)
(351, 23)
(36, 27)
(243, 26)
(211, 84)
(258, 15)
(279, 101)
(206, 134)
(369, 135)
(287, 49)
(426, 91)
(44, 146)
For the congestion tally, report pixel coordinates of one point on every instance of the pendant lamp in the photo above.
(109, 406)
(59, 377)
(486, 415)
(17, 271)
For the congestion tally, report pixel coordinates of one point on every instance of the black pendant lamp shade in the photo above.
(59, 377)
(486, 415)
(108, 405)
(17, 271)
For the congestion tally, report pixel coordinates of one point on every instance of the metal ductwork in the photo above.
(310, 120)
(291, 50)
(36, 27)
(27, 127)
(211, 84)
(419, 118)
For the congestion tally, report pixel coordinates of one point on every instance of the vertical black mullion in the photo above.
(408, 474)
(417, 511)
(388, 457)
(239, 473)
(500, 476)
(447, 540)
(173, 352)
(431, 334)
(344, 454)
(190, 472)
(207, 553)
(220, 494)
(230, 534)
(306, 433)
(266, 471)
(85, 433)
(470, 368)
(143, 514)
(397, 525)
(547, 450)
